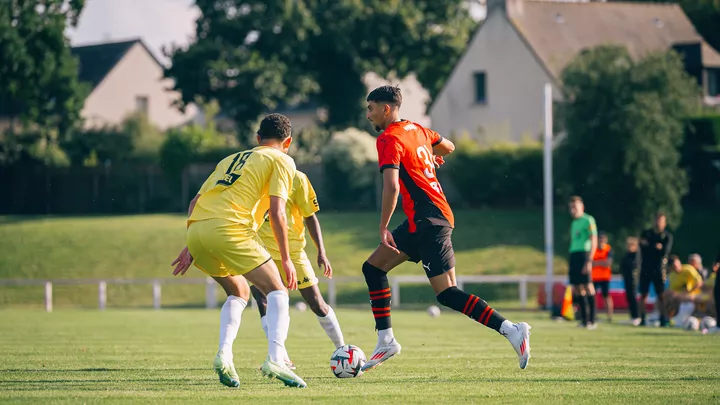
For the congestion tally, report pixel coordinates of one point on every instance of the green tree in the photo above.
(705, 16)
(38, 75)
(255, 55)
(624, 122)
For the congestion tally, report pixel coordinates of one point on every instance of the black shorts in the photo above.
(656, 278)
(430, 243)
(603, 286)
(577, 263)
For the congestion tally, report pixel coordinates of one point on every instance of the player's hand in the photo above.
(324, 264)
(182, 262)
(290, 274)
(588, 268)
(716, 266)
(658, 246)
(439, 161)
(387, 240)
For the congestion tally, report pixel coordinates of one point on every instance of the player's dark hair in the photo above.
(386, 94)
(575, 198)
(660, 214)
(602, 234)
(275, 126)
(672, 258)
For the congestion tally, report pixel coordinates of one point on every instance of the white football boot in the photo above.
(381, 354)
(519, 337)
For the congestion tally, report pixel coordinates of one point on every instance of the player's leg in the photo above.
(261, 301)
(198, 238)
(438, 259)
(375, 270)
(591, 302)
(609, 304)
(307, 284)
(267, 279)
(630, 292)
(659, 284)
(643, 289)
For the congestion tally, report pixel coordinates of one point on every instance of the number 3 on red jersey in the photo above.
(426, 156)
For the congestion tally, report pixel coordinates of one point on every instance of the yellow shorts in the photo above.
(222, 248)
(305, 273)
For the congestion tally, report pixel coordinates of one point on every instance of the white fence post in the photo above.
(332, 293)
(48, 297)
(157, 294)
(210, 297)
(460, 283)
(102, 295)
(395, 291)
(522, 290)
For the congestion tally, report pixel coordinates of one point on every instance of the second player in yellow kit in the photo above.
(301, 208)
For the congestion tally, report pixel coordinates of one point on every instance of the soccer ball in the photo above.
(708, 322)
(433, 311)
(346, 361)
(692, 324)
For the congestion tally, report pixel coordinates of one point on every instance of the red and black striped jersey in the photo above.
(407, 146)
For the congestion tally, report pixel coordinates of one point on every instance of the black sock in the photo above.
(380, 297)
(582, 303)
(472, 306)
(592, 304)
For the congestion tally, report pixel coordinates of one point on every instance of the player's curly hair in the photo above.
(386, 94)
(275, 126)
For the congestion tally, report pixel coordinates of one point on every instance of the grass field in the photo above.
(486, 242)
(164, 357)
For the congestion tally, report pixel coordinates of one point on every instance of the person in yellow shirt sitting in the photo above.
(222, 242)
(685, 283)
(301, 208)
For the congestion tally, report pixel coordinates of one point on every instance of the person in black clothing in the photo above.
(716, 290)
(655, 245)
(628, 267)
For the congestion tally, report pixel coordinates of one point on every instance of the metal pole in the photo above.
(548, 192)
(48, 296)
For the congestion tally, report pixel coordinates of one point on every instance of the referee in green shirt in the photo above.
(583, 243)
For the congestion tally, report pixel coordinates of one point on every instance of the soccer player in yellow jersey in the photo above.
(301, 208)
(221, 241)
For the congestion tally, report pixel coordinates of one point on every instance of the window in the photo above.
(713, 82)
(142, 104)
(480, 88)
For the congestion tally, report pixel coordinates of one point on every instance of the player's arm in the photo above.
(183, 261)
(593, 244)
(444, 147)
(312, 223)
(667, 245)
(279, 190)
(391, 191)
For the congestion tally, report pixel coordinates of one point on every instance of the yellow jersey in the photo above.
(685, 280)
(301, 204)
(239, 188)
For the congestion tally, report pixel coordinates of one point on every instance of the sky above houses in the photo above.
(157, 22)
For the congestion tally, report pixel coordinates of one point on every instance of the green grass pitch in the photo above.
(164, 357)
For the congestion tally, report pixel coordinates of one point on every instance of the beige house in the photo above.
(496, 89)
(125, 77)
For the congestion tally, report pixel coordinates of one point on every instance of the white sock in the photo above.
(263, 322)
(278, 322)
(385, 336)
(330, 323)
(506, 328)
(230, 316)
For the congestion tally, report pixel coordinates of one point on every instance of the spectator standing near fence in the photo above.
(628, 269)
(602, 271)
(655, 245)
(583, 243)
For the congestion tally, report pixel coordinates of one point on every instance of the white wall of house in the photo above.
(514, 88)
(135, 77)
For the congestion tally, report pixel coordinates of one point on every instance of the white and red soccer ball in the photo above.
(346, 361)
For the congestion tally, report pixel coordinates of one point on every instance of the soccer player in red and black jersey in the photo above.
(408, 155)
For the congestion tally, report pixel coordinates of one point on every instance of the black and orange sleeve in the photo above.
(435, 138)
(389, 153)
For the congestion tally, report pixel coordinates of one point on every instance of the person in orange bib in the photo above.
(602, 271)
